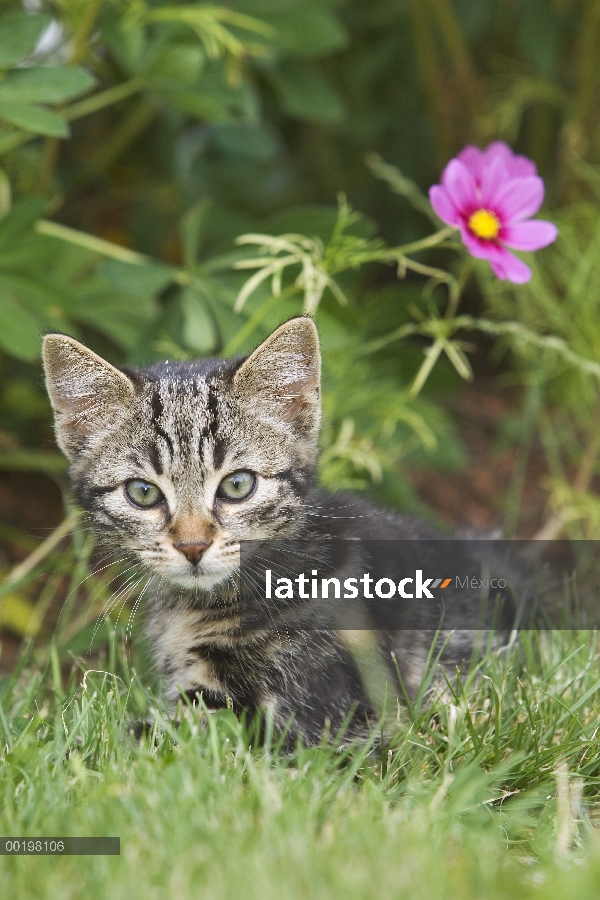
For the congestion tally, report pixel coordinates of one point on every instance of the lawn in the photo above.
(491, 791)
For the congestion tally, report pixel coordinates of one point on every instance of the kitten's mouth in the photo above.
(201, 577)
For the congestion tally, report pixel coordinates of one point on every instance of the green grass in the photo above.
(491, 793)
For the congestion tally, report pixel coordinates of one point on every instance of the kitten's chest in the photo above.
(195, 652)
(180, 640)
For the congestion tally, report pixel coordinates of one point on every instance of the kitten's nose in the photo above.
(192, 552)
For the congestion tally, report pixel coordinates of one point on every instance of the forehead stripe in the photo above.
(157, 411)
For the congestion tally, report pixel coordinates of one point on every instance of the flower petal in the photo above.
(518, 199)
(494, 177)
(473, 158)
(516, 166)
(442, 203)
(460, 185)
(508, 268)
(528, 235)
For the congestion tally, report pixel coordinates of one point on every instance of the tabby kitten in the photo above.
(175, 465)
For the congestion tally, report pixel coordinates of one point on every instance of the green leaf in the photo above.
(20, 723)
(253, 142)
(305, 94)
(45, 84)
(195, 103)
(120, 316)
(136, 281)
(304, 28)
(20, 333)
(180, 61)
(191, 227)
(198, 326)
(19, 33)
(19, 220)
(34, 118)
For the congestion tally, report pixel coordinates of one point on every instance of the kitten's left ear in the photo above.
(284, 374)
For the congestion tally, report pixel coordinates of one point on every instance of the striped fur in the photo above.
(183, 427)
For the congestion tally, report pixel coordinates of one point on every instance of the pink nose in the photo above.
(192, 552)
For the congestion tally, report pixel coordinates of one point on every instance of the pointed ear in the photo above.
(87, 394)
(283, 375)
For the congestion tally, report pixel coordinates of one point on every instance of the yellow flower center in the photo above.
(484, 224)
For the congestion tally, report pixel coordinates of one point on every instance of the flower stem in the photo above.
(103, 98)
(431, 357)
(22, 569)
(104, 248)
(431, 240)
(90, 242)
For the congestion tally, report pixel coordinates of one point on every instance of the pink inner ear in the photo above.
(297, 394)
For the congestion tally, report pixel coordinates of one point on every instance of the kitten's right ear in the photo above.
(87, 394)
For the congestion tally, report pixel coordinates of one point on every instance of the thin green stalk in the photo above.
(90, 242)
(432, 240)
(32, 461)
(401, 185)
(103, 247)
(431, 357)
(396, 335)
(587, 69)
(104, 98)
(86, 26)
(531, 413)
(254, 321)
(23, 569)
(457, 48)
(132, 124)
(432, 78)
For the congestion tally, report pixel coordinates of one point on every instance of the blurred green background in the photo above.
(159, 133)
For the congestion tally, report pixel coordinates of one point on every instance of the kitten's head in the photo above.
(176, 464)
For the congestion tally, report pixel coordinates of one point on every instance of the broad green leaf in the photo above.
(19, 220)
(126, 41)
(180, 61)
(214, 107)
(198, 326)
(21, 217)
(305, 94)
(19, 724)
(43, 298)
(19, 33)
(191, 227)
(249, 141)
(136, 281)
(45, 84)
(303, 28)
(20, 333)
(123, 318)
(34, 118)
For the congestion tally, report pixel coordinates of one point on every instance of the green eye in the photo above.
(238, 486)
(143, 493)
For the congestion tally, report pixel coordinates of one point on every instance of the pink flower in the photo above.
(490, 195)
